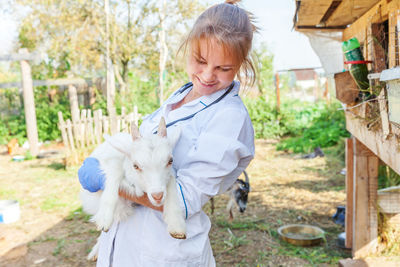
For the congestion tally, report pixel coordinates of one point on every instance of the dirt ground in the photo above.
(286, 189)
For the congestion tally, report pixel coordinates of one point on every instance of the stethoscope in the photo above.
(187, 86)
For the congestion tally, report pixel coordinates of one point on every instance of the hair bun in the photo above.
(232, 2)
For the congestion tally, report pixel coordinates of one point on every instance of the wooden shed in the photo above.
(375, 140)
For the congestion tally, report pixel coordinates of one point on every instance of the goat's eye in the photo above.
(136, 167)
(170, 161)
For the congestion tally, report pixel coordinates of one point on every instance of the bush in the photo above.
(325, 129)
(14, 126)
(306, 125)
(264, 118)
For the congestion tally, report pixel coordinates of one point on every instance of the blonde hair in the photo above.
(233, 28)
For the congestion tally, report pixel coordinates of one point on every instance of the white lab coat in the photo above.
(214, 148)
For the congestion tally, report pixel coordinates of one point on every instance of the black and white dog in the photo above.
(238, 194)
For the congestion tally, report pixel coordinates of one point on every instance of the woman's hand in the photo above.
(143, 200)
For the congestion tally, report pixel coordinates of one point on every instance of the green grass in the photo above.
(42, 240)
(78, 214)
(52, 203)
(315, 255)
(7, 193)
(235, 241)
(59, 247)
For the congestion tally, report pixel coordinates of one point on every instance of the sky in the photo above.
(291, 49)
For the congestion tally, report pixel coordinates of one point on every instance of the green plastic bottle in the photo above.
(352, 52)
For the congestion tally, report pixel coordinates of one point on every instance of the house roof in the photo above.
(304, 74)
(329, 14)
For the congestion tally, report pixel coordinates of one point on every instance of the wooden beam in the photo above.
(385, 149)
(334, 5)
(20, 56)
(56, 82)
(320, 28)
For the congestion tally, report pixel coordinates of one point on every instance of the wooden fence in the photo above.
(82, 134)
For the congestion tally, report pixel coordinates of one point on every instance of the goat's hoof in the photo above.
(92, 258)
(104, 229)
(178, 235)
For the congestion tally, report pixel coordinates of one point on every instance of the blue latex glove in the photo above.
(90, 175)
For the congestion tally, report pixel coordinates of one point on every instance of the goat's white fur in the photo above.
(117, 157)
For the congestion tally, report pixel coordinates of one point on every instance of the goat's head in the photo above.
(241, 193)
(149, 162)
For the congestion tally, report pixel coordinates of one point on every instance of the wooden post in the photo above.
(349, 191)
(91, 95)
(97, 125)
(70, 136)
(278, 99)
(71, 154)
(106, 125)
(62, 127)
(82, 128)
(123, 119)
(29, 106)
(112, 116)
(136, 115)
(73, 102)
(326, 91)
(365, 226)
(89, 128)
(316, 86)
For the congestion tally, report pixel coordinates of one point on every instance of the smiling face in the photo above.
(211, 67)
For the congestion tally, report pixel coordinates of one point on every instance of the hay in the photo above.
(388, 234)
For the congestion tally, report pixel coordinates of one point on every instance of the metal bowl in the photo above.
(301, 234)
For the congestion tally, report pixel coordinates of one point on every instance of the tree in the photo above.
(264, 62)
(72, 33)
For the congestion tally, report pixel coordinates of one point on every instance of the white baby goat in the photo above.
(135, 165)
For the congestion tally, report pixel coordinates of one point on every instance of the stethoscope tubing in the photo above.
(185, 87)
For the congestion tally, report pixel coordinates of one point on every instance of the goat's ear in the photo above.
(162, 128)
(121, 147)
(135, 132)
